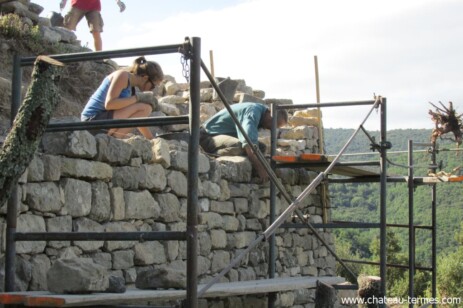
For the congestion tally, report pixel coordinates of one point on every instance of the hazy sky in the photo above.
(408, 51)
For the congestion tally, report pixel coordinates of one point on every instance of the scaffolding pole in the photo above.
(291, 208)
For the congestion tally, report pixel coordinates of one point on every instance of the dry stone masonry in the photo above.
(86, 182)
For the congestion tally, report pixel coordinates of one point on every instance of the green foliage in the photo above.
(345, 251)
(450, 271)
(11, 26)
(450, 274)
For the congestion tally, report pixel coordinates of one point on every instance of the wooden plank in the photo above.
(285, 158)
(268, 285)
(438, 179)
(12, 298)
(76, 300)
(312, 157)
(47, 299)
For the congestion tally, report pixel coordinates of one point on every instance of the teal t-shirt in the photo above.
(249, 116)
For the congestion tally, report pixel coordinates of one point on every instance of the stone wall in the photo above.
(80, 182)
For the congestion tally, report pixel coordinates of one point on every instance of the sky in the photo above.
(407, 51)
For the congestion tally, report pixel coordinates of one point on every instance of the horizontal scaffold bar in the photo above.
(117, 123)
(101, 236)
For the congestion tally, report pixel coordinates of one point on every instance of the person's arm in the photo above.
(257, 164)
(119, 81)
(121, 5)
(250, 125)
(62, 4)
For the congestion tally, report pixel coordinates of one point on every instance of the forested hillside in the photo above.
(360, 202)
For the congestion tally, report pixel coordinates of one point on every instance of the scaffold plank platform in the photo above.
(47, 299)
(319, 163)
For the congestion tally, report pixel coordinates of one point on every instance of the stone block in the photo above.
(169, 207)
(211, 190)
(168, 108)
(228, 87)
(102, 258)
(164, 277)
(77, 197)
(240, 239)
(141, 147)
(44, 197)
(119, 227)
(218, 239)
(35, 170)
(117, 203)
(148, 253)
(205, 244)
(249, 98)
(207, 111)
(101, 202)
(122, 259)
(87, 225)
(40, 264)
(79, 144)
(235, 168)
(77, 276)
(67, 36)
(278, 101)
(154, 177)
(51, 167)
(30, 223)
(178, 182)
(172, 88)
(59, 224)
(259, 208)
(113, 150)
(230, 223)
(140, 205)
(179, 161)
(295, 121)
(299, 132)
(212, 220)
(84, 169)
(222, 207)
(220, 260)
(160, 150)
(128, 177)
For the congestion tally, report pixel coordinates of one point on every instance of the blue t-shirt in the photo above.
(96, 103)
(249, 116)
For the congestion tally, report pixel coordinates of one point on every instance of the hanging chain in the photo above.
(186, 52)
(185, 68)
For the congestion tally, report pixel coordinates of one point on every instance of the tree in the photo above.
(29, 124)
(450, 271)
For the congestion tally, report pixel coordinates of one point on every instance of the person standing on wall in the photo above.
(91, 10)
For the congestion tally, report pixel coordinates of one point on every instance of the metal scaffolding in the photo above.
(191, 50)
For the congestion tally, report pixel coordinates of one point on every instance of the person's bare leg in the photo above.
(138, 110)
(97, 41)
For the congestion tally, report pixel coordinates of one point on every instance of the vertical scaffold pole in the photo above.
(434, 227)
(192, 201)
(273, 196)
(12, 207)
(411, 225)
(383, 182)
